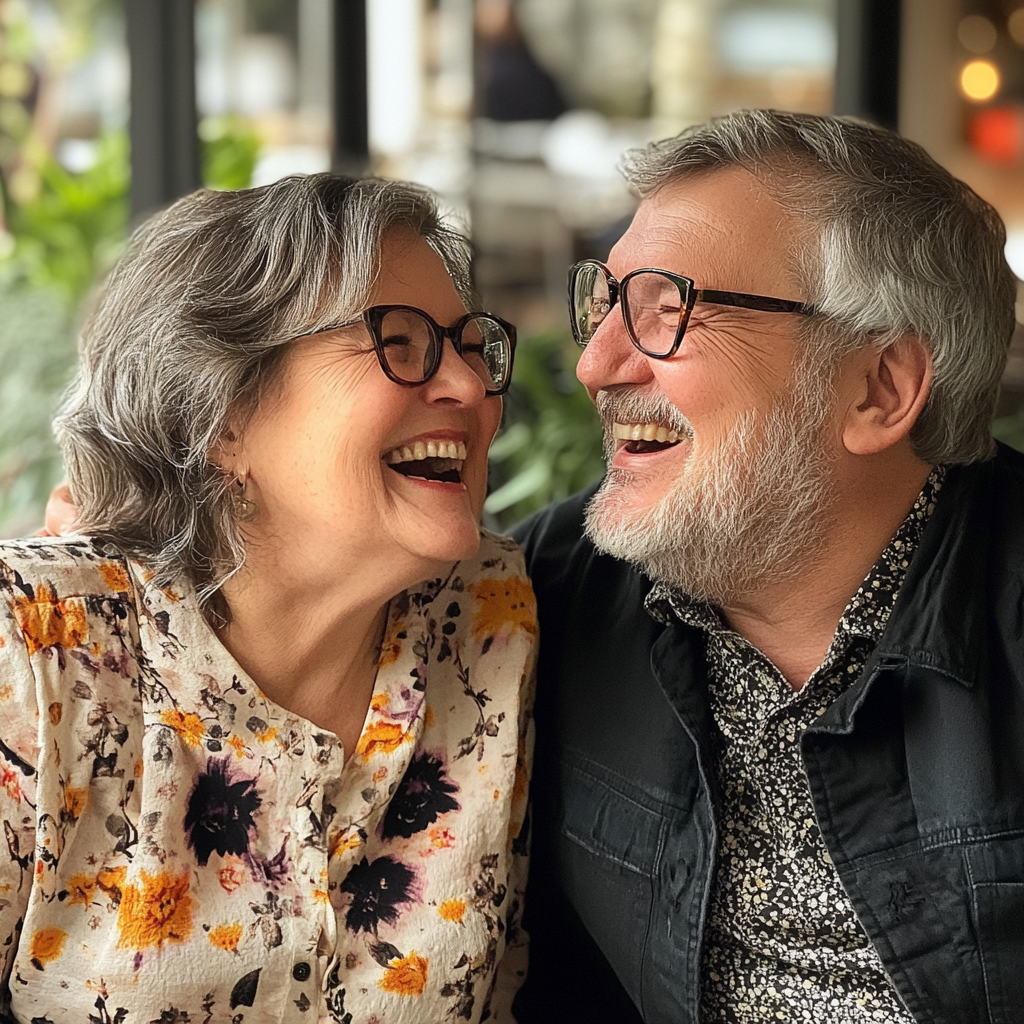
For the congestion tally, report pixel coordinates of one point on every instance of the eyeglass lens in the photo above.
(653, 307)
(591, 301)
(651, 302)
(412, 353)
(408, 345)
(487, 351)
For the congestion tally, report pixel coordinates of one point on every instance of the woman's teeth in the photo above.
(644, 432)
(420, 450)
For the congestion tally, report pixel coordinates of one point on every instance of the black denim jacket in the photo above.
(916, 771)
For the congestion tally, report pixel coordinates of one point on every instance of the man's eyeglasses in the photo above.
(656, 305)
(409, 344)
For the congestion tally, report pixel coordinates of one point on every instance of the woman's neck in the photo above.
(310, 640)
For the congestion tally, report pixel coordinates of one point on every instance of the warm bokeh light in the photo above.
(977, 34)
(979, 80)
(1015, 23)
(997, 134)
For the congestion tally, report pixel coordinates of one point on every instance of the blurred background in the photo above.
(515, 111)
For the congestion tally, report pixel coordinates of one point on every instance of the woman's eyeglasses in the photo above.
(656, 305)
(409, 344)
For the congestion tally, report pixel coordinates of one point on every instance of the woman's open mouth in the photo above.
(435, 461)
(644, 438)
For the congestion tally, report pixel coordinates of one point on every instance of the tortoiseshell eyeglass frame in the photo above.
(689, 294)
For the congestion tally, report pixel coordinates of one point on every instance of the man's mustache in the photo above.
(626, 404)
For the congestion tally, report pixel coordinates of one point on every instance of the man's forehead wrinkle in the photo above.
(684, 236)
(724, 230)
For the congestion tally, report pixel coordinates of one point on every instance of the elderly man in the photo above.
(780, 769)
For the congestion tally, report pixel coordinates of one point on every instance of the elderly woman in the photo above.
(265, 721)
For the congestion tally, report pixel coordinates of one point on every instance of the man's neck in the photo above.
(793, 622)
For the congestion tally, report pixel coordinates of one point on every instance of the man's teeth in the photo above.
(420, 450)
(644, 432)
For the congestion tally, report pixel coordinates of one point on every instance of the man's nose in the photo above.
(611, 358)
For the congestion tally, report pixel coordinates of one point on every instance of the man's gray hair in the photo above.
(192, 323)
(895, 244)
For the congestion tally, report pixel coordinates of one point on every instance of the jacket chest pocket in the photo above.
(611, 824)
(997, 882)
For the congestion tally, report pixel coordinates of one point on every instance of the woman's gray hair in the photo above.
(894, 244)
(192, 323)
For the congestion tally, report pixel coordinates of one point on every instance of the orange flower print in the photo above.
(233, 873)
(56, 709)
(226, 936)
(157, 910)
(380, 738)
(81, 889)
(442, 838)
(188, 726)
(115, 577)
(47, 622)
(406, 976)
(237, 744)
(452, 910)
(75, 800)
(348, 839)
(391, 645)
(503, 605)
(9, 781)
(47, 944)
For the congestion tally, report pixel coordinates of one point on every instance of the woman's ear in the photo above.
(228, 454)
(888, 393)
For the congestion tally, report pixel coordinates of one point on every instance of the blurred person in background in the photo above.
(780, 720)
(265, 719)
(511, 85)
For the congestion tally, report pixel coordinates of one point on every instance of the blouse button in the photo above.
(301, 971)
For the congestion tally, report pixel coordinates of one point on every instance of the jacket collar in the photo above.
(940, 620)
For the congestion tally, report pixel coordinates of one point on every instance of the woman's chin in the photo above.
(456, 546)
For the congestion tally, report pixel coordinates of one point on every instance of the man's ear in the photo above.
(889, 389)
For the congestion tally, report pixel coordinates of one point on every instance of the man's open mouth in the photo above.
(642, 438)
(440, 461)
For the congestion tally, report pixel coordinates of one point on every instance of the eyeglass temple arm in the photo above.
(764, 303)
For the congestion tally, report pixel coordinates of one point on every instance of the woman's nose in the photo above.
(455, 380)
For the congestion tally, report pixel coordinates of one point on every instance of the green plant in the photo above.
(230, 149)
(72, 230)
(37, 353)
(550, 444)
(64, 236)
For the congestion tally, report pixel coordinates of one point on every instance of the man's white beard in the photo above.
(744, 514)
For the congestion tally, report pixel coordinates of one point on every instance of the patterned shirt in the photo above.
(181, 850)
(782, 940)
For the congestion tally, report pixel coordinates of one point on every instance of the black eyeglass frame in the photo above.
(689, 295)
(373, 318)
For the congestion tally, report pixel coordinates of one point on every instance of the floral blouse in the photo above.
(180, 850)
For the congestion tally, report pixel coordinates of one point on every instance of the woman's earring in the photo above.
(244, 508)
